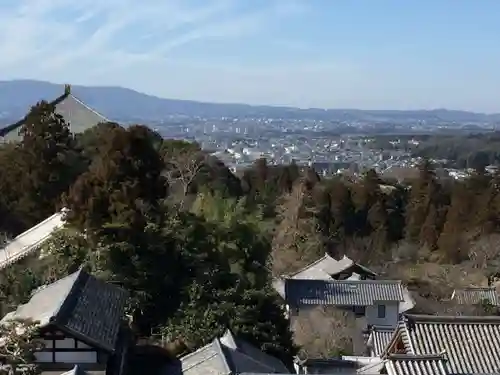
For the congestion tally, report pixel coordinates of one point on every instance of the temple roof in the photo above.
(76, 113)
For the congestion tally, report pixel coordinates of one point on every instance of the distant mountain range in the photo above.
(17, 96)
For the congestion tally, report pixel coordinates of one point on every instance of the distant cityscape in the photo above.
(331, 141)
(328, 149)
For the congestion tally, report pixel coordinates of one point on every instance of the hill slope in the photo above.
(121, 103)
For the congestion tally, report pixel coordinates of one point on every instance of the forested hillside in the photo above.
(197, 246)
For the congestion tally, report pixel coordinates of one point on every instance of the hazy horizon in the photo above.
(347, 54)
(240, 103)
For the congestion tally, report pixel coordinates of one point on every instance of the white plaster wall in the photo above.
(391, 315)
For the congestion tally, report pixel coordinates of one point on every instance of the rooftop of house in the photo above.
(226, 355)
(379, 338)
(416, 365)
(468, 343)
(342, 292)
(476, 296)
(76, 113)
(80, 305)
(30, 240)
(326, 267)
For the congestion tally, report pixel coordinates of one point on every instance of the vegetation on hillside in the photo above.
(197, 247)
(462, 150)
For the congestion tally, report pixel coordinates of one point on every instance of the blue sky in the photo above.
(390, 54)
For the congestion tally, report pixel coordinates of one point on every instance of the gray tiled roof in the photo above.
(79, 304)
(342, 293)
(375, 367)
(475, 296)
(470, 344)
(224, 356)
(416, 365)
(77, 114)
(30, 241)
(320, 269)
(379, 338)
(326, 266)
(241, 346)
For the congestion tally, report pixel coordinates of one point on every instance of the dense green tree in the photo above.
(122, 184)
(254, 315)
(241, 233)
(37, 170)
(49, 157)
(91, 140)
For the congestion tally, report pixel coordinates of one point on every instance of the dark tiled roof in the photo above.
(79, 304)
(224, 356)
(476, 296)
(470, 344)
(342, 293)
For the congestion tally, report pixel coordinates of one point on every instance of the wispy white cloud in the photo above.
(97, 35)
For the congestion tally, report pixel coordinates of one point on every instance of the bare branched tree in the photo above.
(484, 252)
(324, 332)
(297, 241)
(183, 168)
(429, 306)
(17, 348)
